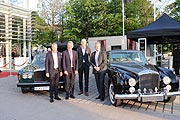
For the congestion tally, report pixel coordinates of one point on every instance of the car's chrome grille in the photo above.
(149, 81)
(39, 76)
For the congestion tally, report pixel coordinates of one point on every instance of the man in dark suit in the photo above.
(176, 60)
(70, 68)
(53, 71)
(99, 63)
(84, 53)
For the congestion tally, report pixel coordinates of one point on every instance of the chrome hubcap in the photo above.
(111, 93)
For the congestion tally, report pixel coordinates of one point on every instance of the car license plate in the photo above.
(154, 97)
(41, 88)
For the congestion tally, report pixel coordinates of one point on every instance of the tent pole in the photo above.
(123, 15)
(155, 20)
(154, 10)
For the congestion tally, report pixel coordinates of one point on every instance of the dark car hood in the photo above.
(33, 68)
(136, 67)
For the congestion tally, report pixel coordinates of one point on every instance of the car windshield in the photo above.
(39, 58)
(128, 56)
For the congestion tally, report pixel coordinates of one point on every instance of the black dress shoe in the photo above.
(102, 99)
(67, 97)
(51, 100)
(98, 97)
(72, 96)
(57, 98)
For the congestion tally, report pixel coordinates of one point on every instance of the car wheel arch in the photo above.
(111, 90)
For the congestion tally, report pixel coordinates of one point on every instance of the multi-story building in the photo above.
(16, 29)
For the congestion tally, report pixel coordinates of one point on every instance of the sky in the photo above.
(162, 3)
(33, 3)
(23, 3)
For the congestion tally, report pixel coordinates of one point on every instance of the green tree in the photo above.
(51, 11)
(114, 22)
(85, 18)
(139, 13)
(92, 18)
(41, 31)
(174, 9)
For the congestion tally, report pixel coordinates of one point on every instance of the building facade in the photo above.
(109, 42)
(16, 30)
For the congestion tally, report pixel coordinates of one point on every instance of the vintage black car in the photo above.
(32, 77)
(132, 77)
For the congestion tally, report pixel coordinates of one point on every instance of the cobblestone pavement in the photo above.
(160, 107)
(17, 106)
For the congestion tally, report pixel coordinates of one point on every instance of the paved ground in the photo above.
(35, 106)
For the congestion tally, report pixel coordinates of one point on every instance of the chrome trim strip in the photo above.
(173, 93)
(137, 96)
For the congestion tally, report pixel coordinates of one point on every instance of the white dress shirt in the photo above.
(83, 51)
(96, 57)
(71, 57)
(55, 59)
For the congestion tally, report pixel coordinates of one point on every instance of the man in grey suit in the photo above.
(70, 68)
(99, 63)
(53, 71)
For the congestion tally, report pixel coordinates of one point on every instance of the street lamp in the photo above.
(59, 34)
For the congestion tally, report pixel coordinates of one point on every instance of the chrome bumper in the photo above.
(148, 97)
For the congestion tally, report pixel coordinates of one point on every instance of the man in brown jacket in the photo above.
(99, 63)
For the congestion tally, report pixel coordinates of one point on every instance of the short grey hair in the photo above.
(70, 42)
(98, 43)
(84, 40)
(54, 44)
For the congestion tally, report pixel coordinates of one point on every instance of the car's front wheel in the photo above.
(24, 90)
(115, 102)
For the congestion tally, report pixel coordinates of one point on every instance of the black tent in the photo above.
(163, 30)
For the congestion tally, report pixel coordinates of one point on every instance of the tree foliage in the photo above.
(174, 9)
(79, 19)
(139, 13)
(93, 18)
(51, 11)
(42, 32)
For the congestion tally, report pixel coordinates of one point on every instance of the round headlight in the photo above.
(132, 82)
(168, 87)
(131, 90)
(29, 76)
(24, 76)
(166, 80)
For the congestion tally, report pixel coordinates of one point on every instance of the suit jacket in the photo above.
(49, 63)
(102, 61)
(176, 55)
(67, 61)
(85, 57)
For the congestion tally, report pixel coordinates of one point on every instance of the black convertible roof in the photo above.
(163, 30)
